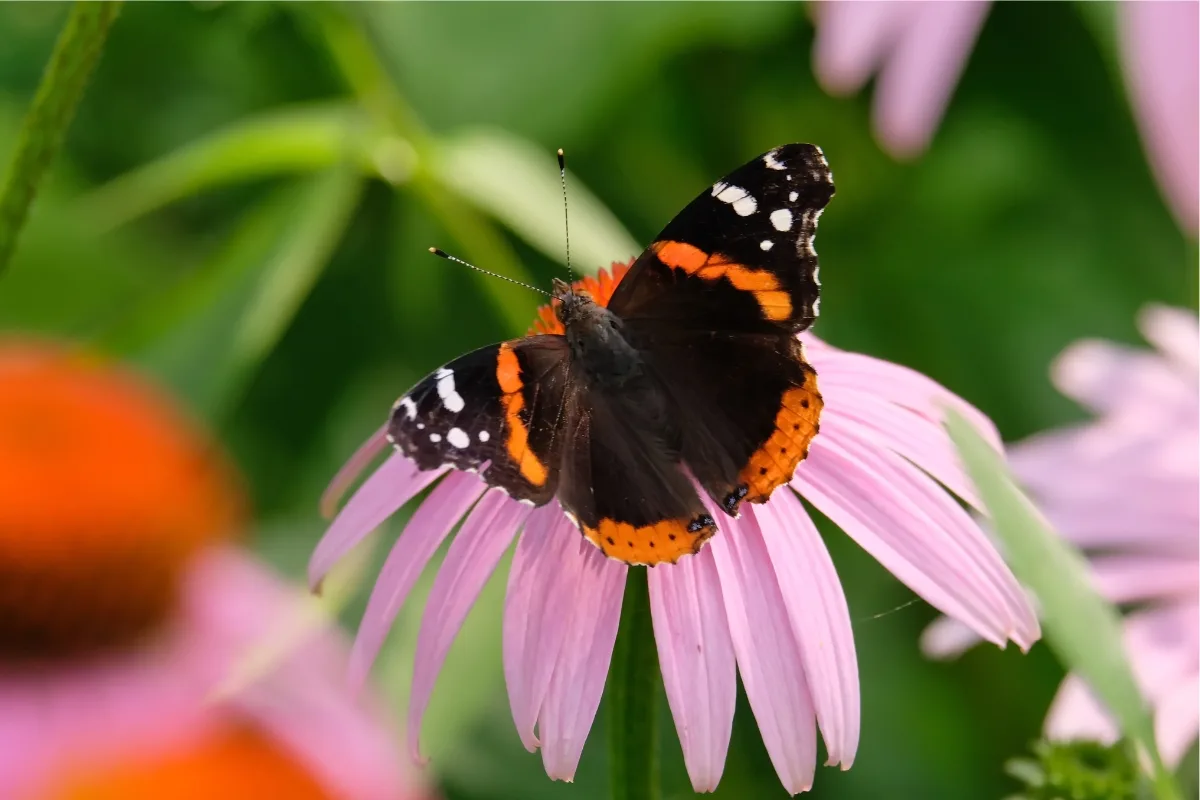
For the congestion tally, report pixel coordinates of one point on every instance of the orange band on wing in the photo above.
(508, 375)
(797, 422)
(776, 304)
(651, 544)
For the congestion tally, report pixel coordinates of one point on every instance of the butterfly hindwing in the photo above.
(740, 256)
(622, 480)
(497, 408)
(748, 408)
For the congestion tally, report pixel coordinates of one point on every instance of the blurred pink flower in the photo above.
(919, 50)
(762, 598)
(75, 720)
(129, 625)
(1126, 488)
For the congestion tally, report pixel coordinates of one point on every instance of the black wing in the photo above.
(502, 406)
(714, 305)
(740, 256)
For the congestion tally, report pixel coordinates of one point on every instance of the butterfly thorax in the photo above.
(597, 338)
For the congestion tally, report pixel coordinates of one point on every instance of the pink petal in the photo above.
(848, 486)
(1136, 578)
(578, 680)
(696, 655)
(853, 39)
(921, 440)
(1160, 45)
(1075, 714)
(820, 620)
(915, 84)
(960, 528)
(353, 752)
(768, 655)
(946, 638)
(1175, 333)
(395, 482)
(470, 561)
(1177, 720)
(1088, 370)
(429, 526)
(873, 380)
(537, 610)
(350, 471)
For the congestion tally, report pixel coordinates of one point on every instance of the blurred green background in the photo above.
(246, 196)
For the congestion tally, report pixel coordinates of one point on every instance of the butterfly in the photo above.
(690, 378)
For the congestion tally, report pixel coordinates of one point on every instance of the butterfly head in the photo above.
(571, 304)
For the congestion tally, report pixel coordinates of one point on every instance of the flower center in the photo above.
(105, 494)
(601, 289)
(230, 763)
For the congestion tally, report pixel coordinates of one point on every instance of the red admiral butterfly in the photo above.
(692, 371)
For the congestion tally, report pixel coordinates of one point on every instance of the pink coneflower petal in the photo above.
(911, 435)
(915, 85)
(958, 526)
(863, 380)
(472, 558)
(366, 453)
(392, 485)
(852, 41)
(1075, 714)
(537, 610)
(1173, 332)
(1088, 370)
(1160, 45)
(1135, 578)
(848, 486)
(307, 716)
(768, 655)
(820, 620)
(1176, 719)
(578, 680)
(946, 638)
(429, 526)
(695, 652)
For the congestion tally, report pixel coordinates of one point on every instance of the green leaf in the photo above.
(1082, 628)
(209, 336)
(294, 140)
(518, 183)
(75, 54)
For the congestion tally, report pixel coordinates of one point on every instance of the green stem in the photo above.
(633, 685)
(76, 52)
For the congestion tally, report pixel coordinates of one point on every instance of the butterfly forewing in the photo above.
(496, 408)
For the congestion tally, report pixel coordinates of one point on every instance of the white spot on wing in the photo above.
(766, 244)
(420, 426)
(435, 437)
(718, 187)
(410, 408)
(741, 200)
(457, 437)
(484, 436)
(769, 160)
(782, 219)
(792, 197)
(451, 399)
(746, 206)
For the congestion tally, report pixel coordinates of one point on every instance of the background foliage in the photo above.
(245, 199)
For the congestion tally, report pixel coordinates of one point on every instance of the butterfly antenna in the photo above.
(443, 254)
(562, 174)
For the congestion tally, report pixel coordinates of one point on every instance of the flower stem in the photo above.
(76, 52)
(633, 683)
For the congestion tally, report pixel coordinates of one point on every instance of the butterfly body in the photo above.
(690, 375)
